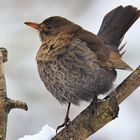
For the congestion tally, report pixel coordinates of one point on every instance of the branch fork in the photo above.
(6, 104)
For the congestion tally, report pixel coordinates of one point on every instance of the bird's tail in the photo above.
(116, 23)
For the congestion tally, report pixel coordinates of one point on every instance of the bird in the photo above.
(75, 64)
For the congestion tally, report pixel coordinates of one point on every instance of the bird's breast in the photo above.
(53, 46)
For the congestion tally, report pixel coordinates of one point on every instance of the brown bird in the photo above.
(75, 64)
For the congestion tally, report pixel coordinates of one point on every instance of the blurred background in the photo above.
(22, 78)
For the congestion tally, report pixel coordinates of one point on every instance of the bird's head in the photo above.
(53, 26)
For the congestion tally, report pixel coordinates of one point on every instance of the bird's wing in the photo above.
(92, 49)
(111, 59)
(79, 51)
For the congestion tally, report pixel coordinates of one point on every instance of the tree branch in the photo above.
(6, 104)
(95, 116)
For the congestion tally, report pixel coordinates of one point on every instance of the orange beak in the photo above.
(33, 25)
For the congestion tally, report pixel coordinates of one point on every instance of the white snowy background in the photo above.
(22, 77)
(46, 133)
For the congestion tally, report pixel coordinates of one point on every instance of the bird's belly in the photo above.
(72, 83)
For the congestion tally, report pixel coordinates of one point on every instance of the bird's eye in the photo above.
(49, 27)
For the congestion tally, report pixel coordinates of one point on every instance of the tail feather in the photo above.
(116, 23)
(120, 64)
(121, 51)
(121, 47)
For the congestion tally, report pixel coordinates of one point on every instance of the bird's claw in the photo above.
(65, 124)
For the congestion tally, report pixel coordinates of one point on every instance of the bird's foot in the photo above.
(65, 124)
(96, 100)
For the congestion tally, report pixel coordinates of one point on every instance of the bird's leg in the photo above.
(66, 120)
(96, 101)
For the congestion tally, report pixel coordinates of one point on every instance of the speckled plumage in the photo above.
(70, 77)
(75, 64)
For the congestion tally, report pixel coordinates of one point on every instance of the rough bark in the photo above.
(95, 116)
(6, 104)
